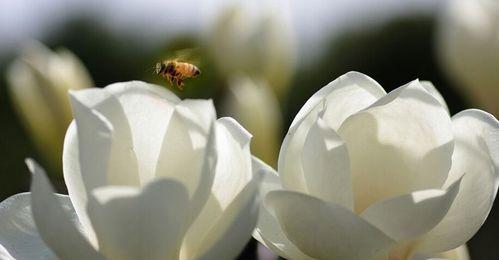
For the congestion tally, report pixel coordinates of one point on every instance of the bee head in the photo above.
(158, 68)
(197, 72)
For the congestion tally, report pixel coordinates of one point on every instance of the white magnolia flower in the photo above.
(258, 43)
(368, 175)
(38, 82)
(255, 106)
(148, 176)
(468, 48)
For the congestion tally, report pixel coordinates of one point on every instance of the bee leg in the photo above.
(180, 84)
(169, 79)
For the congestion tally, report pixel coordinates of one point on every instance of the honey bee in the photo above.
(176, 71)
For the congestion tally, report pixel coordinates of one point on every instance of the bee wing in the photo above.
(189, 55)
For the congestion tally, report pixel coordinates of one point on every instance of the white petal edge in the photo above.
(184, 143)
(94, 133)
(477, 155)
(396, 216)
(233, 229)
(53, 222)
(86, 154)
(344, 96)
(122, 168)
(460, 253)
(326, 230)
(148, 109)
(189, 152)
(132, 223)
(231, 192)
(19, 238)
(326, 165)
(268, 231)
(344, 81)
(401, 143)
(428, 86)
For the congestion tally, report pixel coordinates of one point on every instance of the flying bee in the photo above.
(176, 71)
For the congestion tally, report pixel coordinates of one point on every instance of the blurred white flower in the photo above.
(255, 106)
(39, 81)
(468, 49)
(368, 175)
(149, 177)
(259, 44)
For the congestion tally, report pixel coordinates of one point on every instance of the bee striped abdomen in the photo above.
(176, 71)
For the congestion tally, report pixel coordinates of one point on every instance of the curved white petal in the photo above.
(55, 226)
(460, 253)
(326, 230)
(411, 215)
(94, 133)
(140, 224)
(189, 150)
(234, 166)
(126, 115)
(401, 143)
(148, 109)
(183, 147)
(326, 166)
(85, 166)
(477, 155)
(428, 86)
(234, 190)
(19, 238)
(343, 97)
(347, 86)
(267, 231)
(122, 166)
(232, 230)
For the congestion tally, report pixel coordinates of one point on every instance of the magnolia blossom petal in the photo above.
(343, 97)
(184, 143)
(122, 166)
(402, 143)
(85, 166)
(460, 253)
(189, 150)
(148, 109)
(19, 238)
(428, 86)
(232, 230)
(117, 112)
(396, 216)
(233, 190)
(268, 230)
(234, 165)
(94, 133)
(326, 165)
(140, 224)
(326, 230)
(55, 226)
(352, 86)
(477, 155)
